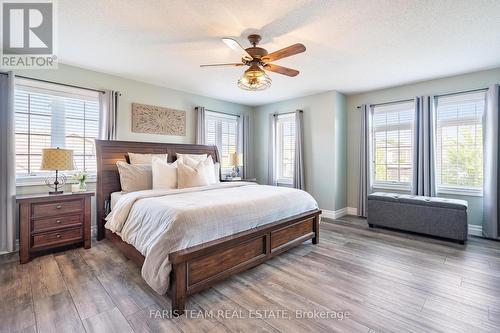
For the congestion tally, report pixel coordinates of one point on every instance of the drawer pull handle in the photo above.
(58, 236)
(58, 206)
(58, 221)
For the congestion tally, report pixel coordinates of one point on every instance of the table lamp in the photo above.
(235, 160)
(56, 159)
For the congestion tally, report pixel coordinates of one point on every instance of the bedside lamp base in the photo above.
(55, 192)
(56, 183)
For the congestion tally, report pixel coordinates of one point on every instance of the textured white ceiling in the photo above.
(351, 45)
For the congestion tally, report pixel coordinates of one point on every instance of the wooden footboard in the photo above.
(200, 267)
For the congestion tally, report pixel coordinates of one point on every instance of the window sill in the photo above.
(40, 181)
(288, 182)
(396, 187)
(460, 192)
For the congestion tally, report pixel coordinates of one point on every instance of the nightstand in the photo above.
(50, 222)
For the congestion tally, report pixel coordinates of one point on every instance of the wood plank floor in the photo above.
(382, 281)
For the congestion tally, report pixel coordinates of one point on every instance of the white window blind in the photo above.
(54, 116)
(392, 135)
(285, 148)
(459, 142)
(222, 130)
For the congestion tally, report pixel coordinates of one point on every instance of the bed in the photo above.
(186, 262)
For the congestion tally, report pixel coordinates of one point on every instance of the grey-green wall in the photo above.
(452, 84)
(325, 127)
(135, 91)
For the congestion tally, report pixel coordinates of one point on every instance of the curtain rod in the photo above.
(387, 103)
(442, 95)
(279, 114)
(58, 83)
(227, 114)
(462, 92)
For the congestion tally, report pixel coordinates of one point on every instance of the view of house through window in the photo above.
(222, 131)
(49, 116)
(392, 134)
(285, 148)
(459, 142)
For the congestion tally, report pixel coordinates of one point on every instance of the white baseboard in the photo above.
(352, 211)
(335, 214)
(475, 230)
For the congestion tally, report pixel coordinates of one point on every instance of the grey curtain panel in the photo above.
(424, 179)
(7, 164)
(244, 132)
(271, 158)
(108, 102)
(200, 125)
(298, 170)
(491, 177)
(364, 185)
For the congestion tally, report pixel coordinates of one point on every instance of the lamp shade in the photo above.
(57, 159)
(235, 159)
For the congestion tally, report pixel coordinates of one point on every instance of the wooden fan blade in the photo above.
(232, 43)
(283, 53)
(236, 64)
(281, 70)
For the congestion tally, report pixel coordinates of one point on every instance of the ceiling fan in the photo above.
(259, 61)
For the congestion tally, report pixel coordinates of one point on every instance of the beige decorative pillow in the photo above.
(146, 159)
(164, 174)
(213, 177)
(135, 177)
(191, 177)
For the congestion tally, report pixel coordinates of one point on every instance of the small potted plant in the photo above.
(81, 177)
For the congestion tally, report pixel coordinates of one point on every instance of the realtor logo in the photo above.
(28, 34)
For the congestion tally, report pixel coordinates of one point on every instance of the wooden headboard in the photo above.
(110, 152)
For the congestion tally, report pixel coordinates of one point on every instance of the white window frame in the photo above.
(219, 118)
(61, 91)
(282, 118)
(450, 189)
(390, 185)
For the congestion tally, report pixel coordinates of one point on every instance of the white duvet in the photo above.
(158, 222)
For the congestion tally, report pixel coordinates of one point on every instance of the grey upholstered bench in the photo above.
(434, 216)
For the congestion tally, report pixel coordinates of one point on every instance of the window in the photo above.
(459, 143)
(285, 148)
(392, 135)
(222, 130)
(49, 115)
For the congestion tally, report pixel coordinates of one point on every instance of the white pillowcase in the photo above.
(213, 177)
(164, 174)
(191, 177)
(145, 159)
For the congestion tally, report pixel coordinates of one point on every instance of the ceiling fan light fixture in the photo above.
(254, 83)
(254, 71)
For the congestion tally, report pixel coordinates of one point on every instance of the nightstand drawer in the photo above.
(58, 237)
(56, 223)
(56, 208)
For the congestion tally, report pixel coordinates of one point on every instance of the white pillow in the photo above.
(145, 159)
(196, 157)
(217, 173)
(213, 177)
(191, 177)
(164, 174)
(134, 177)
